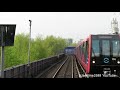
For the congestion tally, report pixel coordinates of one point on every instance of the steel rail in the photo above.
(47, 69)
(59, 68)
(72, 67)
(79, 75)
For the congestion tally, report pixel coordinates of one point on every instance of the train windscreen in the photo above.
(95, 48)
(116, 47)
(106, 45)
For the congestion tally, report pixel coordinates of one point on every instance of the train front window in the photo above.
(116, 47)
(95, 48)
(106, 47)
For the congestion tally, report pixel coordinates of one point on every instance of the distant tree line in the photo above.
(39, 48)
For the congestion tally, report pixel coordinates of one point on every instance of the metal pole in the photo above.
(29, 44)
(2, 62)
(2, 54)
(29, 72)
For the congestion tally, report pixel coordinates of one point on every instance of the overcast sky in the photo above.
(75, 25)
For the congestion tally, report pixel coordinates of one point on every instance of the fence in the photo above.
(35, 68)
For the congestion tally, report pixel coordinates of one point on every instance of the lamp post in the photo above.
(29, 44)
(29, 72)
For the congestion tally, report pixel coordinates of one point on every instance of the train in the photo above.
(99, 54)
(69, 50)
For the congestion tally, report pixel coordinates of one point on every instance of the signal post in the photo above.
(7, 32)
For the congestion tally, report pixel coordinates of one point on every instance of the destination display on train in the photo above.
(105, 36)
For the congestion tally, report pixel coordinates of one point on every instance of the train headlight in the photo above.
(93, 61)
(118, 62)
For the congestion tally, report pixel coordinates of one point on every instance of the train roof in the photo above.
(96, 35)
(105, 34)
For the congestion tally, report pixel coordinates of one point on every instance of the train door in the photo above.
(106, 55)
(105, 51)
(85, 52)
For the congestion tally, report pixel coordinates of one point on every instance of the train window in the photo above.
(105, 47)
(116, 47)
(84, 44)
(86, 53)
(80, 50)
(95, 48)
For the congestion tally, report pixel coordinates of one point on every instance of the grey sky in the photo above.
(76, 25)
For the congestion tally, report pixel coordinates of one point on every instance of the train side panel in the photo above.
(83, 54)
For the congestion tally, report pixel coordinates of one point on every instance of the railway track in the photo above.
(48, 73)
(65, 68)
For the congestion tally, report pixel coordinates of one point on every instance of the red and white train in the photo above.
(99, 54)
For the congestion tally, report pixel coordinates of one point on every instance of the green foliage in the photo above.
(54, 45)
(39, 48)
(17, 54)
